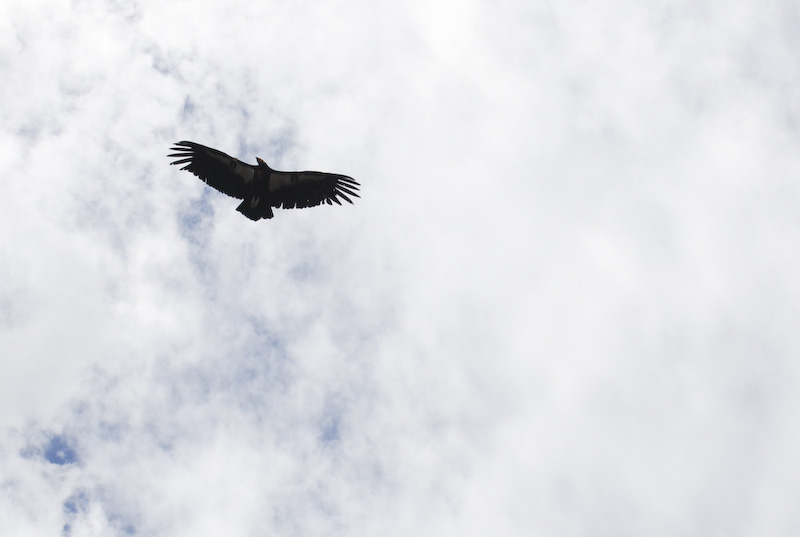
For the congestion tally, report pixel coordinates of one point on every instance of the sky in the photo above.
(566, 303)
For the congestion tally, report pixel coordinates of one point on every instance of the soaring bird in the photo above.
(260, 187)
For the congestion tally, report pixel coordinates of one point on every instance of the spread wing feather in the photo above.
(291, 190)
(225, 173)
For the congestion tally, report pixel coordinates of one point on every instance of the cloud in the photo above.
(563, 305)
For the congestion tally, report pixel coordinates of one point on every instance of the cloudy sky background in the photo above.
(566, 304)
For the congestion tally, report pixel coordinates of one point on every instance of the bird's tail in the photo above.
(255, 208)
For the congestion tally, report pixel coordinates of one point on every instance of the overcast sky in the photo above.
(567, 303)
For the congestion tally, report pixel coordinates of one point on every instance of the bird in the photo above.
(260, 187)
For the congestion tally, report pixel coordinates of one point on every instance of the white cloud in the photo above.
(564, 304)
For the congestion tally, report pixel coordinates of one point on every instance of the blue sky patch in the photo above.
(59, 450)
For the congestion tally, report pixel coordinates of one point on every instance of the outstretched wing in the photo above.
(306, 189)
(223, 172)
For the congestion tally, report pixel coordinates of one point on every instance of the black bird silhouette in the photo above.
(260, 187)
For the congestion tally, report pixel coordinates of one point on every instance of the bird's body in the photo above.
(260, 187)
